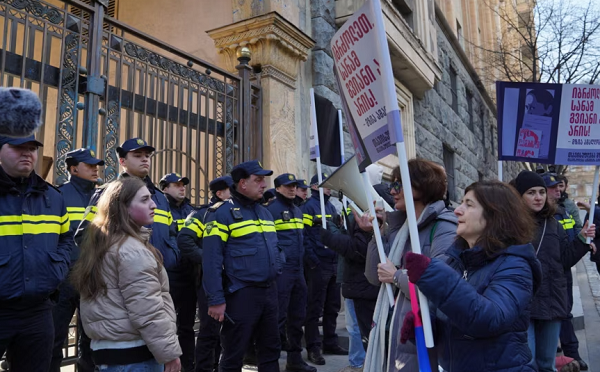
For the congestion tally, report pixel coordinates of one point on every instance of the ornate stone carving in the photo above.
(277, 45)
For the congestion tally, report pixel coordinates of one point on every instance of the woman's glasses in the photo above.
(396, 186)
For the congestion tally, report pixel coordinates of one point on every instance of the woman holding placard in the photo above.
(437, 230)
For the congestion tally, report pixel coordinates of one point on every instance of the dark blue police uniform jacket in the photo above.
(35, 238)
(239, 248)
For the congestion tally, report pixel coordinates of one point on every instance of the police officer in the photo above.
(189, 240)
(183, 289)
(321, 277)
(301, 193)
(291, 285)
(82, 166)
(568, 338)
(36, 244)
(240, 263)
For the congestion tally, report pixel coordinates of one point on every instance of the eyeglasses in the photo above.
(396, 186)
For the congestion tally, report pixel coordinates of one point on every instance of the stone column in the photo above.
(278, 47)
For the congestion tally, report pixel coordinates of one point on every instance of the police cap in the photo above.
(86, 156)
(221, 183)
(133, 144)
(285, 179)
(248, 168)
(550, 179)
(315, 179)
(172, 178)
(303, 184)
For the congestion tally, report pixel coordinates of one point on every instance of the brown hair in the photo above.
(111, 226)
(504, 211)
(549, 207)
(426, 177)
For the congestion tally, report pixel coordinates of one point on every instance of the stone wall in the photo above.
(437, 125)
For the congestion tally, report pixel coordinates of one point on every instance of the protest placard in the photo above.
(549, 123)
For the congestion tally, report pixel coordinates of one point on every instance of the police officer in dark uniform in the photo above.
(189, 240)
(301, 193)
(82, 166)
(36, 244)
(241, 261)
(291, 285)
(183, 292)
(321, 276)
(568, 338)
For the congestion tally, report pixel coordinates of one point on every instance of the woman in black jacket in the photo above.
(556, 254)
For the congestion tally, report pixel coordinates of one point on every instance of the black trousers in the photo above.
(364, 310)
(208, 345)
(62, 313)
(292, 292)
(568, 340)
(183, 292)
(324, 298)
(254, 312)
(27, 336)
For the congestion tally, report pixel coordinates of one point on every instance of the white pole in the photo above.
(377, 233)
(500, 170)
(344, 200)
(593, 201)
(313, 114)
(414, 237)
(391, 103)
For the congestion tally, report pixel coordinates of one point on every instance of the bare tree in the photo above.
(546, 41)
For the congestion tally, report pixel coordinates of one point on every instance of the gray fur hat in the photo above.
(20, 112)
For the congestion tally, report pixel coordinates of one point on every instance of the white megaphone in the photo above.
(347, 180)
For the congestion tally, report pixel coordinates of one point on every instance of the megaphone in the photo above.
(347, 179)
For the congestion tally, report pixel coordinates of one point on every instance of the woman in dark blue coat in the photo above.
(556, 254)
(483, 294)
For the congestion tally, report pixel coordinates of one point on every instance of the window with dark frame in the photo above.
(449, 166)
(454, 88)
(406, 9)
(459, 34)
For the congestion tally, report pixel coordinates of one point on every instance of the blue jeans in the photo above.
(542, 337)
(148, 366)
(356, 352)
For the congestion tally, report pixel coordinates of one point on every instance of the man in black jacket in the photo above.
(82, 166)
(183, 289)
(355, 287)
(189, 240)
(291, 285)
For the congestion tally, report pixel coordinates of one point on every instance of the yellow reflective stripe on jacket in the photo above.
(195, 225)
(28, 224)
(90, 213)
(163, 217)
(307, 219)
(568, 223)
(214, 228)
(294, 223)
(326, 216)
(180, 224)
(76, 213)
(251, 226)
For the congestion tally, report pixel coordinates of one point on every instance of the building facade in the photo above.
(446, 98)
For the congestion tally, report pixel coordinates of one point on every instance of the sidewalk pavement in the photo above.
(589, 337)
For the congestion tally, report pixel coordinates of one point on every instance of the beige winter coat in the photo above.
(137, 304)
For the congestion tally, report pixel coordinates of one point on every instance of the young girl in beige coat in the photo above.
(126, 308)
